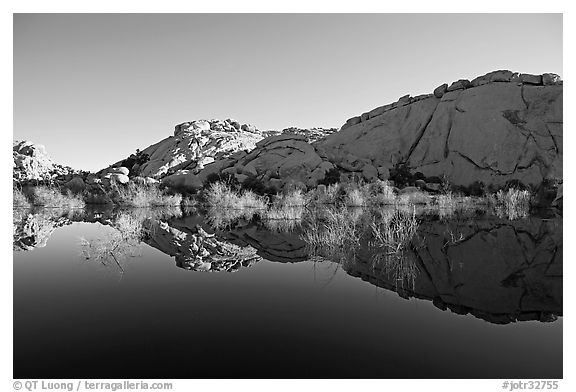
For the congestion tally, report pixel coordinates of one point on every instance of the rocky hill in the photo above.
(198, 143)
(499, 127)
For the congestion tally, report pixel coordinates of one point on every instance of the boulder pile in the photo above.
(32, 162)
(193, 145)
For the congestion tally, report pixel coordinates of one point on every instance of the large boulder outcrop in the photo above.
(32, 162)
(277, 161)
(501, 126)
(193, 145)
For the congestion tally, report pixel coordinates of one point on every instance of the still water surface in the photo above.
(486, 302)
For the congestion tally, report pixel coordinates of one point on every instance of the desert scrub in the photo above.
(324, 194)
(332, 233)
(417, 197)
(355, 198)
(290, 198)
(249, 199)
(53, 197)
(19, 199)
(392, 235)
(393, 232)
(220, 195)
(513, 203)
(142, 195)
(381, 193)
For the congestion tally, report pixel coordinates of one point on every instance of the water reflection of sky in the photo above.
(77, 318)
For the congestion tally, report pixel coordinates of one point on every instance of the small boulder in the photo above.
(383, 173)
(440, 90)
(76, 184)
(433, 187)
(408, 190)
(370, 173)
(421, 184)
(531, 79)
(460, 85)
(119, 170)
(550, 79)
(118, 177)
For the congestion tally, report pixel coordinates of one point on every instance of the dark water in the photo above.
(481, 298)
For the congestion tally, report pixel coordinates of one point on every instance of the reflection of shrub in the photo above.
(512, 204)
(336, 233)
(394, 233)
(19, 199)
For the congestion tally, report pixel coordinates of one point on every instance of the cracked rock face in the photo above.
(278, 161)
(501, 126)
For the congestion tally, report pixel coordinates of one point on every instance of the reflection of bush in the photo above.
(511, 204)
(130, 227)
(392, 236)
(333, 233)
(19, 199)
(116, 246)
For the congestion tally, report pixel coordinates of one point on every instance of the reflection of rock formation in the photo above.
(497, 270)
(33, 230)
(33, 227)
(273, 246)
(194, 249)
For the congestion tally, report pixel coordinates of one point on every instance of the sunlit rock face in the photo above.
(277, 161)
(193, 145)
(32, 162)
(499, 127)
(197, 250)
(496, 270)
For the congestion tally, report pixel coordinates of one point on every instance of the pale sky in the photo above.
(94, 87)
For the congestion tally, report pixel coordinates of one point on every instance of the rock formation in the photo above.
(499, 127)
(498, 270)
(32, 162)
(194, 145)
(195, 249)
